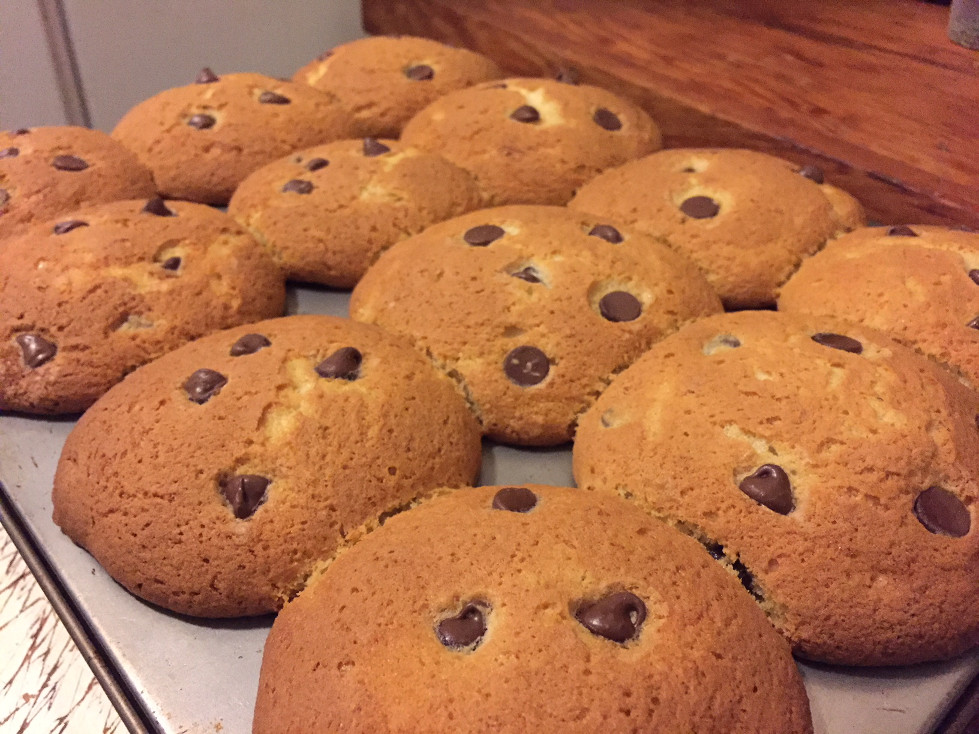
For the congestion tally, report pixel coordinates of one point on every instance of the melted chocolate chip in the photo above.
(526, 366)
(700, 207)
(201, 121)
(465, 629)
(901, 231)
(69, 163)
(616, 617)
(974, 274)
(315, 164)
(245, 493)
(942, 513)
(204, 384)
(157, 206)
(514, 499)
(67, 226)
(838, 341)
(813, 173)
(373, 147)
(607, 119)
(525, 113)
(273, 98)
(249, 344)
(770, 486)
(343, 364)
(9, 152)
(606, 232)
(483, 235)
(420, 73)
(36, 349)
(619, 306)
(171, 263)
(297, 186)
(528, 273)
(206, 76)
(567, 75)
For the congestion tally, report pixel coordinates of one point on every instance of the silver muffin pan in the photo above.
(172, 673)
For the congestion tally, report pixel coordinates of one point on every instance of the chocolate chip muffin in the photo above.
(381, 82)
(45, 171)
(533, 141)
(531, 309)
(918, 284)
(86, 299)
(746, 218)
(526, 609)
(260, 448)
(834, 469)
(201, 140)
(327, 212)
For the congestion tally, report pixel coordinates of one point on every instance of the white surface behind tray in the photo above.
(196, 674)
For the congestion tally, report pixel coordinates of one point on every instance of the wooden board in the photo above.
(873, 91)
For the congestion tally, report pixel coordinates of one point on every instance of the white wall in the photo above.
(128, 50)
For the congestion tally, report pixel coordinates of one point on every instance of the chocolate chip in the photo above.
(526, 366)
(206, 76)
(343, 364)
(619, 306)
(297, 186)
(616, 617)
(157, 206)
(974, 274)
(171, 263)
(9, 152)
(36, 349)
(249, 344)
(69, 163)
(465, 629)
(204, 384)
(273, 98)
(373, 147)
(325, 55)
(515, 499)
(245, 493)
(567, 75)
(420, 73)
(838, 341)
(813, 173)
(942, 513)
(22, 131)
(483, 235)
(974, 324)
(525, 113)
(315, 164)
(201, 121)
(901, 231)
(606, 232)
(700, 207)
(721, 342)
(66, 226)
(607, 119)
(770, 486)
(528, 273)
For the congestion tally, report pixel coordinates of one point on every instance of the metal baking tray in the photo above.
(175, 674)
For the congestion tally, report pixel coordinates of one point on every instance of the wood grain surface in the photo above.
(872, 90)
(45, 683)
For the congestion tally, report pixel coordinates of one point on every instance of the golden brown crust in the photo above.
(357, 651)
(337, 453)
(916, 289)
(540, 162)
(850, 575)
(119, 288)
(33, 188)
(768, 218)
(370, 78)
(356, 206)
(468, 309)
(206, 162)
